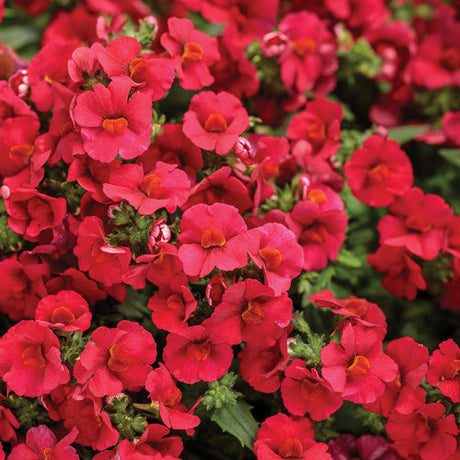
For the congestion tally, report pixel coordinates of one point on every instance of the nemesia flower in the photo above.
(214, 121)
(317, 127)
(66, 310)
(31, 212)
(111, 124)
(366, 447)
(304, 391)
(30, 360)
(425, 433)
(212, 236)
(443, 370)
(250, 312)
(166, 186)
(274, 248)
(281, 437)
(357, 368)
(450, 125)
(403, 394)
(417, 222)
(41, 442)
(8, 424)
(378, 172)
(308, 61)
(104, 263)
(197, 354)
(192, 53)
(164, 393)
(116, 359)
(148, 73)
(357, 311)
(403, 276)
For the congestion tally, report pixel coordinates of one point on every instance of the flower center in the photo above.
(291, 448)
(150, 185)
(359, 366)
(49, 454)
(215, 123)
(315, 234)
(356, 307)
(315, 131)
(32, 356)
(118, 360)
(212, 237)
(21, 153)
(172, 398)
(379, 173)
(192, 52)
(451, 58)
(271, 257)
(317, 196)
(115, 126)
(304, 46)
(200, 351)
(306, 388)
(137, 68)
(253, 313)
(62, 315)
(418, 223)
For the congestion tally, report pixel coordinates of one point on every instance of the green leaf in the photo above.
(237, 420)
(348, 259)
(19, 36)
(451, 155)
(403, 134)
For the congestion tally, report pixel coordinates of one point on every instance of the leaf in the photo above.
(348, 259)
(403, 134)
(237, 420)
(451, 155)
(18, 37)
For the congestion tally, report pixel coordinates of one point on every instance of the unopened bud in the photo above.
(244, 150)
(160, 233)
(273, 44)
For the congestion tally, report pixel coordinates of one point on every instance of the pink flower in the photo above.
(30, 360)
(274, 248)
(358, 368)
(378, 172)
(41, 442)
(214, 121)
(116, 359)
(192, 53)
(196, 354)
(111, 124)
(164, 187)
(66, 310)
(212, 236)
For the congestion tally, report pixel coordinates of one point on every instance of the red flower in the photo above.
(317, 129)
(281, 437)
(274, 248)
(249, 311)
(196, 354)
(403, 394)
(357, 368)
(418, 223)
(378, 172)
(31, 212)
(164, 187)
(403, 276)
(148, 73)
(357, 311)
(425, 433)
(165, 394)
(41, 442)
(192, 53)
(67, 311)
(451, 127)
(444, 370)
(304, 391)
(308, 61)
(106, 264)
(30, 360)
(212, 236)
(116, 359)
(214, 121)
(366, 447)
(111, 124)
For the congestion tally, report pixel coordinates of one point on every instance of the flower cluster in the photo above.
(180, 192)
